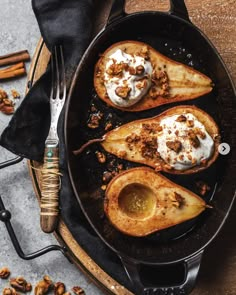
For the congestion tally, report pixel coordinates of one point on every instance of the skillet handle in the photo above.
(177, 7)
(117, 11)
(191, 269)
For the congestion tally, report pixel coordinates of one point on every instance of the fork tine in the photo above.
(57, 72)
(52, 75)
(58, 89)
(63, 73)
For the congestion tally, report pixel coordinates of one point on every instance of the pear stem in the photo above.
(88, 143)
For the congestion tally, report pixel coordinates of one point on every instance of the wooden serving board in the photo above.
(217, 19)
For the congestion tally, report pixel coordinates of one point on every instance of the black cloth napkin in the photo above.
(70, 23)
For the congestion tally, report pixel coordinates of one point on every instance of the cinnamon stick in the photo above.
(12, 68)
(15, 57)
(12, 74)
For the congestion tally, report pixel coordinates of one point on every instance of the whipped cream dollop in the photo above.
(127, 78)
(184, 142)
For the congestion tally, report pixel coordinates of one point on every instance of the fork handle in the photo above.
(50, 186)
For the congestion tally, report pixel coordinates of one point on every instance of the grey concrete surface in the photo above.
(18, 31)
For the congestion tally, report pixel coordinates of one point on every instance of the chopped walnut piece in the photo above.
(4, 273)
(107, 177)
(200, 133)
(152, 128)
(133, 137)
(15, 94)
(181, 118)
(101, 157)
(59, 288)
(177, 200)
(181, 157)
(123, 91)
(6, 104)
(202, 187)
(190, 123)
(165, 88)
(193, 139)
(153, 92)
(108, 126)
(132, 71)
(149, 147)
(176, 145)
(78, 290)
(122, 154)
(115, 69)
(139, 70)
(20, 284)
(160, 78)
(144, 52)
(142, 84)
(3, 94)
(94, 120)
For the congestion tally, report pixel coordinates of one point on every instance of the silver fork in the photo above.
(50, 170)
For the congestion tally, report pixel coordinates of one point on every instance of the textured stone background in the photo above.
(18, 31)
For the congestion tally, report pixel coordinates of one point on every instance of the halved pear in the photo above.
(182, 82)
(126, 141)
(140, 201)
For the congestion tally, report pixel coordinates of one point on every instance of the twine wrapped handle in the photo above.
(50, 190)
(50, 171)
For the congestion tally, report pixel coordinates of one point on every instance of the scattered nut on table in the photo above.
(20, 284)
(15, 94)
(78, 290)
(4, 273)
(42, 287)
(9, 291)
(59, 288)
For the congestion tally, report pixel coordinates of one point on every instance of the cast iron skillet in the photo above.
(174, 35)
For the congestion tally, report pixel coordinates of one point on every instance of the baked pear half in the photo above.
(140, 201)
(181, 140)
(133, 76)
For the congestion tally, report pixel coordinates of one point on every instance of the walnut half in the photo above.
(20, 284)
(43, 286)
(4, 273)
